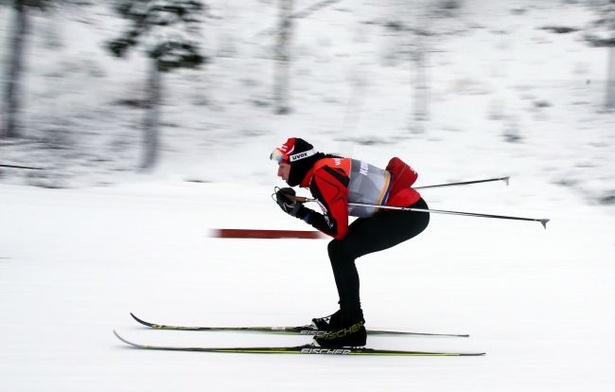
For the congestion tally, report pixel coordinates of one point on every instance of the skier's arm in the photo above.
(330, 191)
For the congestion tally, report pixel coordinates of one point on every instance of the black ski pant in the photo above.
(384, 230)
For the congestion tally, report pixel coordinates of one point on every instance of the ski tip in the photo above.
(139, 320)
(544, 222)
(124, 340)
(506, 180)
(117, 335)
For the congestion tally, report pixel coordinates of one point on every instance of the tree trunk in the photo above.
(421, 82)
(282, 71)
(12, 93)
(419, 61)
(151, 132)
(610, 82)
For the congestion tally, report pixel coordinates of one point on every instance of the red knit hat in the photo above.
(301, 156)
(292, 150)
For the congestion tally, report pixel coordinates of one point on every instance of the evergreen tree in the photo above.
(168, 32)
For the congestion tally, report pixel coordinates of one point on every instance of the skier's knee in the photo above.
(339, 251)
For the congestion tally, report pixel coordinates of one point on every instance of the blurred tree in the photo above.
(168, 31)
(283, 30)
(282, 73)
(11, 103)
(602, 34)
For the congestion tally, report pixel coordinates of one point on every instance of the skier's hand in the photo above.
(285, 199)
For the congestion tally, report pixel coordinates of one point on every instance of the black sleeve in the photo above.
(319, 221)
(316, 220)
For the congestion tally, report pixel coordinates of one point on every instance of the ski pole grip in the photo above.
(300, 199)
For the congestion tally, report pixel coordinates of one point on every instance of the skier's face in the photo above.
(283, 170)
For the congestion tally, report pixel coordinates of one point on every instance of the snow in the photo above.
(75, 261)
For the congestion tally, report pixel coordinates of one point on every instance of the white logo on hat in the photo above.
(301, 155)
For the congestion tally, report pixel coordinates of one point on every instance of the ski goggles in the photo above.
(278, 156)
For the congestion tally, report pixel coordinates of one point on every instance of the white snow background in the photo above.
(507, 97)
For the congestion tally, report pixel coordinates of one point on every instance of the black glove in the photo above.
(284, 198)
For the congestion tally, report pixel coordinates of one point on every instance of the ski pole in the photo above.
(505, 179)
(543, 221)
(22, 167)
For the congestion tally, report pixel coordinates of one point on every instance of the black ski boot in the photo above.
(324, 323)
(343, 329)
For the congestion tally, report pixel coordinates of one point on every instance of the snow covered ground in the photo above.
(506, 98)
(76, 262)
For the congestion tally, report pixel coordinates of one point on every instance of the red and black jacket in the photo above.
(329, 180)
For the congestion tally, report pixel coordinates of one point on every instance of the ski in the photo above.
(308, 330)
(303, 349)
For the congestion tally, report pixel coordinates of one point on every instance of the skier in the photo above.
(336, 182)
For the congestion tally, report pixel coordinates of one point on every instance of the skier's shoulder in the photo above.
(332, 162)
(331, 170)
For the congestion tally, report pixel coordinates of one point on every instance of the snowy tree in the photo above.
(602, 34)
(11, 102)
(168, 31)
